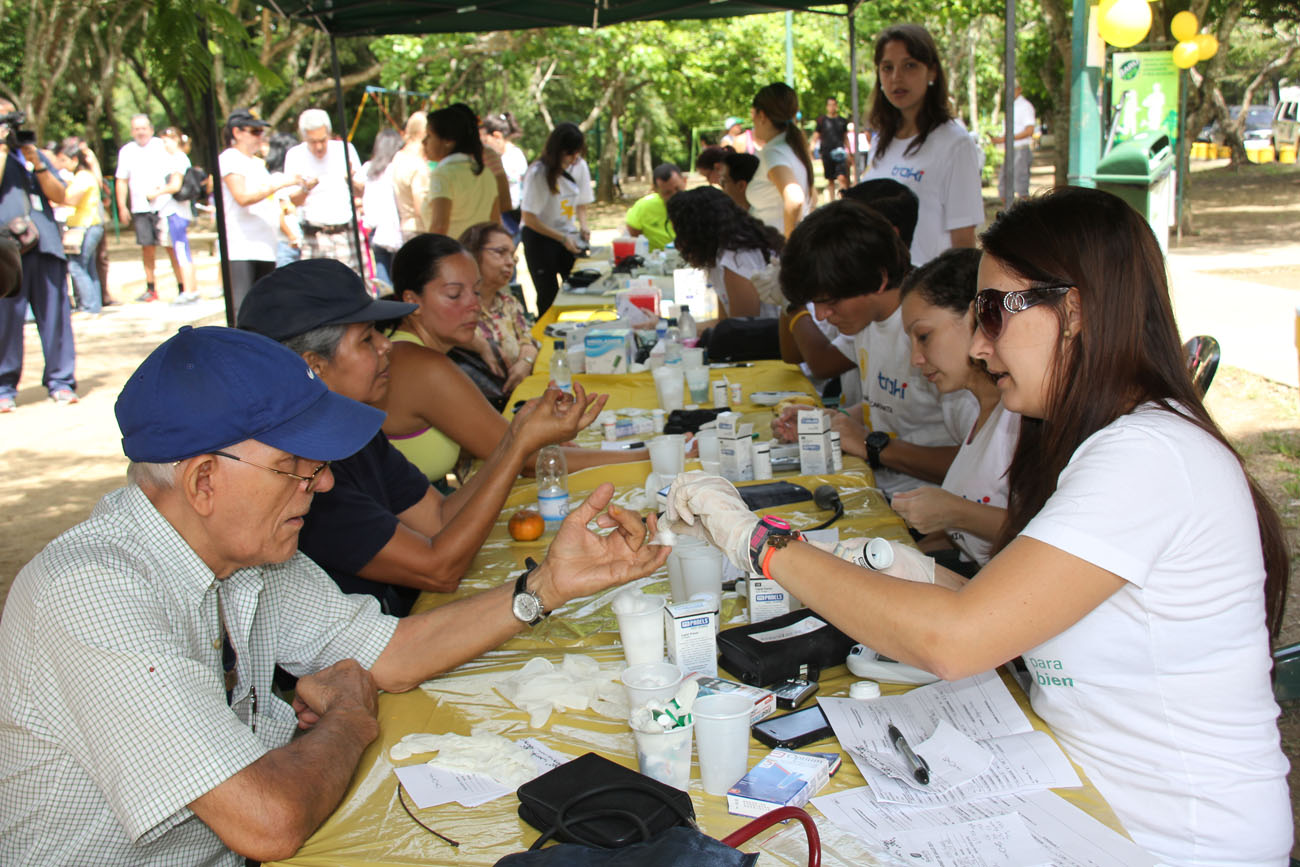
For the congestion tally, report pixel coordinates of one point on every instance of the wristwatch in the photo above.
(527, 605)
(876, 442)
(770, 532)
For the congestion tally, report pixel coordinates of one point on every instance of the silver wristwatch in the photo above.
(527, 605)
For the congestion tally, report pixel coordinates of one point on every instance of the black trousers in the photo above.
(549, 261)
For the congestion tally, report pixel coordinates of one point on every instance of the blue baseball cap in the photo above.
(209, 388)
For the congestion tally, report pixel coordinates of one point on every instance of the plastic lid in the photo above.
(864, 689)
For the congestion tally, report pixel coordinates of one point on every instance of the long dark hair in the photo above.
(1127, 352)
(934, 108)
(387, 144)
(457, 124)
(418, 261)
(841, 250)
(276, 147)
(70, 148)
(566, 138)
(707, 223)
(780, 104)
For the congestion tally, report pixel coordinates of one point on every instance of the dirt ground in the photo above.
(58, 461)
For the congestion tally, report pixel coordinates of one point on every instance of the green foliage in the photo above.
(175, 51)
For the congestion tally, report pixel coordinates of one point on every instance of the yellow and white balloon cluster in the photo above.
(1124, 23)
(1192, 46)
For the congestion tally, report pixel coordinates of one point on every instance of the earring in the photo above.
(931, 83)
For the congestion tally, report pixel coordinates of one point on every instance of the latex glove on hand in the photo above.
(710, 508)
(882, 555)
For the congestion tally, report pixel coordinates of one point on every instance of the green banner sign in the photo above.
(1144, 93)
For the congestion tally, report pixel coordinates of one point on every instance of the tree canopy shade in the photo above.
(372, 17)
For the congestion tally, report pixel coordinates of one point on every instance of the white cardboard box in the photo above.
(691, 630)
(813, 421)
(814, 454)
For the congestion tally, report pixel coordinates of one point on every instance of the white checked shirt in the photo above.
(113, 713)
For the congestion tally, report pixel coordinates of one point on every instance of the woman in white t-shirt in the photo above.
(780, 192)
(967, 512)
(556, 192)
(919, 144)
(461, 192)
(1140, 572)
(247, 189)
(741, 254)
(496, 130)
(177, 215)
(383, 225)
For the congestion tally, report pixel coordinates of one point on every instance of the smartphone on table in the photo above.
(794, 730)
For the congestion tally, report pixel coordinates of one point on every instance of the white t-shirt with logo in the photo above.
(897, 399)
(330, 201)
(250, 231)
(1162, 692)
(979, 474)
(557, 210)
(142, 168)
(765, 199)
(945, 175)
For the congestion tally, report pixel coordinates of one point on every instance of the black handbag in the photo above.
(766, 662)
(595, 802)
(743, 338)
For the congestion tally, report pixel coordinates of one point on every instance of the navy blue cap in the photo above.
(308, 294)
(209, 388)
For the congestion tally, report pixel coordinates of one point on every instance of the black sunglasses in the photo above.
(992, 307)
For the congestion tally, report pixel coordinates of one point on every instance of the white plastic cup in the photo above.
(713, 468)
(693, 357)
(676, 580)
(650, 681)
(668, 455)
(669, 387)
(701, 567)
(666, 756)
(697, 381)
(642, 633)
(722, 732)
(707, 444)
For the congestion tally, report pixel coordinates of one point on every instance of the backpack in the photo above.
(191, 185)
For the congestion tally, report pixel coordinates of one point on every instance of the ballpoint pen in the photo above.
(920, 768)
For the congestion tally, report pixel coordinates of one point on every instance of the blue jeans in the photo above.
(85, 272)
(286, 253)
(383, 264)
(45, 288)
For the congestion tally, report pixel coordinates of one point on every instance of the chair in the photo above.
(1202, 360)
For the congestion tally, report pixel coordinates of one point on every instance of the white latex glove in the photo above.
(710, 508)
(882, 555)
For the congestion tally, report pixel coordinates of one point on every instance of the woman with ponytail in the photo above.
(779, 194)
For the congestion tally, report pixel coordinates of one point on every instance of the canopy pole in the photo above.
(854, 114)
(215, 146)
(347, 159)
(1009, 102)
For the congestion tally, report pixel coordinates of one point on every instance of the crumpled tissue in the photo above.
(579, 683)
(511, 765)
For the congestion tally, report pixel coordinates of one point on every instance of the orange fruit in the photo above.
(527, 525)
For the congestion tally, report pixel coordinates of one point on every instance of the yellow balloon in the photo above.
(1207, 45)
(1125, 23)
(1184, 26)
(1186, 54)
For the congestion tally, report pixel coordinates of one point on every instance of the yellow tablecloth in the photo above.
(371, 828)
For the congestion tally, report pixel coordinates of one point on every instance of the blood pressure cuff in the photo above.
(774, 650)
(691, 420)
(599, 803)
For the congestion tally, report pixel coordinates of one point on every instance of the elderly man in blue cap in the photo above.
(137, 720)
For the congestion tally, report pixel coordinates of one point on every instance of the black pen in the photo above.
(920, 769)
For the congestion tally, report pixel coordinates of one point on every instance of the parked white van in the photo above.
(1286, 119)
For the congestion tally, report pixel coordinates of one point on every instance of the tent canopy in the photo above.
(371, 17)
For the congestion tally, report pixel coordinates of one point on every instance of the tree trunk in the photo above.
(972, 84)
(1057, 77)
(609, 157)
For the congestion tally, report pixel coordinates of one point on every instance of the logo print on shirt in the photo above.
(891, 386)
(908, 174)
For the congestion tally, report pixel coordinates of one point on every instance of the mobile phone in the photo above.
(793, 730)
(794, 692)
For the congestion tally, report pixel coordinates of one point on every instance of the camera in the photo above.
(9, 132)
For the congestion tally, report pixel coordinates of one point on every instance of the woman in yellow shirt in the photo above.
(86, 221)
(461, 192)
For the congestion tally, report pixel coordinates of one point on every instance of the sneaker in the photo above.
(64, 396)
(185, 298)
(7, 404)
(149, 295)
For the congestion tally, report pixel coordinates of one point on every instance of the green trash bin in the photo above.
(1140, 171)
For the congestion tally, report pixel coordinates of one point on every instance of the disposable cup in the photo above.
(713, 468)
(701, 567)
(707, 443)
(642, 633)
(676, 580)
(669, 387)
(666, 756)
(697, 380)
(722, 732)
(650, 681)
(668, 455)
(693, 357)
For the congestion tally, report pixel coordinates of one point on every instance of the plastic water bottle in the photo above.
(672, 344)
(552, 486)
(561, 373)
(686, 325)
